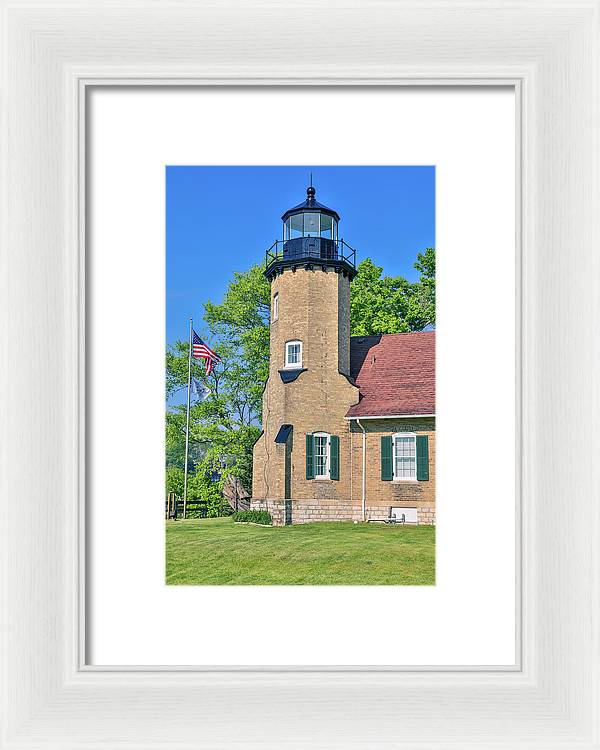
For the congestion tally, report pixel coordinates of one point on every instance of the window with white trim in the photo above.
(293, 354)
(322, 457)
(405, 456)
(275, 306)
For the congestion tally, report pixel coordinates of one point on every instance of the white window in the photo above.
(276, 306)
(321, 443)
(405, 456)
(293, 354)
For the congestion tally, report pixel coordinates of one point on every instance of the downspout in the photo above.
(364, 469)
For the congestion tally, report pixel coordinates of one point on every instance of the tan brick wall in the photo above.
(344, 325)
(314, 307)
(381, 495)
(323, 504)
(311, 304)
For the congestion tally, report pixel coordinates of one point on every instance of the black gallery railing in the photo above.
(310, 249)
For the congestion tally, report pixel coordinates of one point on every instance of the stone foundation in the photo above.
(314, 510)
(307, 511)
(275, 507)
(426, 516)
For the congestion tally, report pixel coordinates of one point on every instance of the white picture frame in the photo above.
(52, 53)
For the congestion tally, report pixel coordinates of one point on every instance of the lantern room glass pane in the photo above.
(326, 226)
(311, 225)
(296, 226)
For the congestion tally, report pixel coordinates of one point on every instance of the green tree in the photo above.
(377, 305)
(391, 304)
(242, 321)
(174, 480)
(423, 298)
(202, 487)
(225, 426)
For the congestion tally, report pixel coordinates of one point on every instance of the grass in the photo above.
(219, 551)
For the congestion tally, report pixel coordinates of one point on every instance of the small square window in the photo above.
(293, 354)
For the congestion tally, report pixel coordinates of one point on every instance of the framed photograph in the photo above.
(314, 402)
(300, 375)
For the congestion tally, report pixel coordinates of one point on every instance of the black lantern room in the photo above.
(310, 240)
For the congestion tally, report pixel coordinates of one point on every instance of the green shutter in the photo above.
(310, 459)
(386, 458)
(422, 458)
(334, 457)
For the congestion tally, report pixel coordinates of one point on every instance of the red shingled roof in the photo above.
(395, 373)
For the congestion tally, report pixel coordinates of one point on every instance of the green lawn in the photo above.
(219, 551)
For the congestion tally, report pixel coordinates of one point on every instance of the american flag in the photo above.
(203, 351)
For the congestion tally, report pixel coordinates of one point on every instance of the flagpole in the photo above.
(187, 425)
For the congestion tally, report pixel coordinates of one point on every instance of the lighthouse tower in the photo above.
(302, 459)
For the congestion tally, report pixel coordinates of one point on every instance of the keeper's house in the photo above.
(348, 422)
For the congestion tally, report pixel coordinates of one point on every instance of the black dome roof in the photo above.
(310, 204)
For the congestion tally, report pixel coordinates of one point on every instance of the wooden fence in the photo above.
(174, 507)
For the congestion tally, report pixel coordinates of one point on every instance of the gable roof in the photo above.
(395, 373)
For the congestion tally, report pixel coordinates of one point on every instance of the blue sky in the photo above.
(222, 219)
